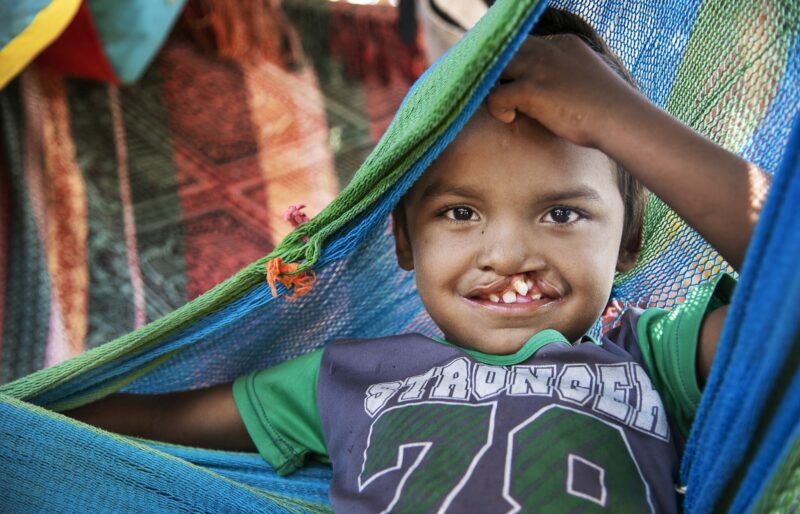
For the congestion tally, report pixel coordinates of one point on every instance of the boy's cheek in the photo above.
(588, 266)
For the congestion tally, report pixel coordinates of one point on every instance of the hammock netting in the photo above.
(728, 69)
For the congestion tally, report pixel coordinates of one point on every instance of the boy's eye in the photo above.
(461, 214)
(562, 215)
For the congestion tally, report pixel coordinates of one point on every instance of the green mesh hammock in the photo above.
(728, 69)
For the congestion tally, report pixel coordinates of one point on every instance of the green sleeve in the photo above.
(668, 340)
(279, 408)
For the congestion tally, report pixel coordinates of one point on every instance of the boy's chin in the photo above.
(503, 343)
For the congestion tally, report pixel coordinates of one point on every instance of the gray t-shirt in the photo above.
(412, 424)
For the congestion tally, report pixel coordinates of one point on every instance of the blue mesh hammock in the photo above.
(728, 69)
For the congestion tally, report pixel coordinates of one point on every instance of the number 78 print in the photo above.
(557, 449)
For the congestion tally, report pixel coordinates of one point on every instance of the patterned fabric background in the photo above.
(117, 205)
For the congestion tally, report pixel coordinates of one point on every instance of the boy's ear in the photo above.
(629, 252)
(402, 244)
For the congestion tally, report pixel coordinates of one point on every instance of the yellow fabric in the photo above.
(46, 26)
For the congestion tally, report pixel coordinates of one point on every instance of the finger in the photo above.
(505, 100)
(503, 115)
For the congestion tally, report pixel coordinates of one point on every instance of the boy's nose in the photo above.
(508, 251)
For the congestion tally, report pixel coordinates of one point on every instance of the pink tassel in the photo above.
(295, 216)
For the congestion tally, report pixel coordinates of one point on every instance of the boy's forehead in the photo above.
(488, 151)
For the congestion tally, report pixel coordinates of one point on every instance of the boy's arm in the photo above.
(568, 88)
(563, 84)
(205, 418)
(708, 339)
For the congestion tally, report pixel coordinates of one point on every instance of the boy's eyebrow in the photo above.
(584, 191)
(438, 189)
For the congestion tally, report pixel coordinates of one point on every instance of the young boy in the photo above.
(515, 233)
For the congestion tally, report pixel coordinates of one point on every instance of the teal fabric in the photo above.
(132, 31)
(16, 15)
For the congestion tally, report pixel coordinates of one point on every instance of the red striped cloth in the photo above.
(119, 205)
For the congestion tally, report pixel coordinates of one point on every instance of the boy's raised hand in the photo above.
(567, 87)
(564, 85)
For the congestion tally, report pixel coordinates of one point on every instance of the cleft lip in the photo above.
(548, 289)
(499, 286)
(496, 286)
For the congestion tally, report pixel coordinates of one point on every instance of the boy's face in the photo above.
(508, 203)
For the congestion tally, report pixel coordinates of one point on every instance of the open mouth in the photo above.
(515, 290)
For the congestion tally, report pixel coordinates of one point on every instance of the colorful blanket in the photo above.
(118, 205)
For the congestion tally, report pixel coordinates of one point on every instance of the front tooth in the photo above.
(529, 283)
(509, 297)
(521, 287)
(494, 298)
(536, 297)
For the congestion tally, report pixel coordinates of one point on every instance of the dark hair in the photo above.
(555, 21)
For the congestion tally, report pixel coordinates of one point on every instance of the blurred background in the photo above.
(150, 148)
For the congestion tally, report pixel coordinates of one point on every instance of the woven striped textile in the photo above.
(119, 205)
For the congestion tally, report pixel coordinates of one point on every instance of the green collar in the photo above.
(534, 344)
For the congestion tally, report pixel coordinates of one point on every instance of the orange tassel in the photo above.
(286, 274)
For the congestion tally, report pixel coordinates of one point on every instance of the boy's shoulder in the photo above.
(666, 341)
(678, 324)
(624, 334)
